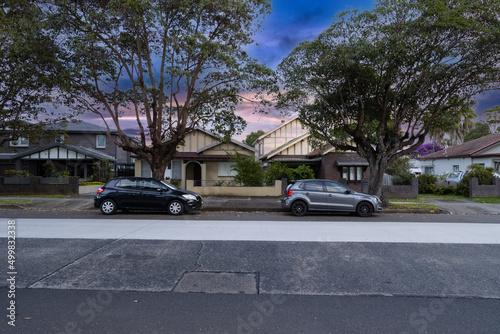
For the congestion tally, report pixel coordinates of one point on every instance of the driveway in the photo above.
(465, 207)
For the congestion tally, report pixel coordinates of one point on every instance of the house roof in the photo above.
(236, 142)
(468, 149)
(349, 159)
(284, 146)
(81, 126)
(283, 123)
(57, 151)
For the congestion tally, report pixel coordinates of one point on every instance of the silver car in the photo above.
(326, 195)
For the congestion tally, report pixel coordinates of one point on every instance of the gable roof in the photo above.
(285, 146)
(57, 151)
(468, 149)
(219, 142)
(283, 123)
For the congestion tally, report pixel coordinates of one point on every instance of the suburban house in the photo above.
(289, 143)
(484, 151)
(73, 148)
(203, 158)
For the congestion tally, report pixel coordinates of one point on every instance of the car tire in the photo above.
(364, 209)
(299, 208)
(108, 207)
(175, 207)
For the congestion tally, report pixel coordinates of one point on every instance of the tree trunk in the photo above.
(378, 165)
(159, 161)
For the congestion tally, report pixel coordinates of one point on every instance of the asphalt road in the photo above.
(117, 283)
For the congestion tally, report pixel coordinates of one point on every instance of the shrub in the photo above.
(248, 171)
(484, 176)
(446, 190)
(277, 171)
(302, 172)
(427, 184)
(400, 171)
(18, 172)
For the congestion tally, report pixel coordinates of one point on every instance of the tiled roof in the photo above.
(473, 147)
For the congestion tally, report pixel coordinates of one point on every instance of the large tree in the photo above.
(30, 72)
(376, 82)
(493, 118)
(168, 66)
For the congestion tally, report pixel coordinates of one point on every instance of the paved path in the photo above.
(304, 231)
(465, 207)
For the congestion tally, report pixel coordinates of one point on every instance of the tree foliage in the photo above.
(483, 174)
(248, 171)
(252, 137)
(425, 149)
(377, 81)
(479, 130)
(31, 72)
(164, 66)
(493, 118)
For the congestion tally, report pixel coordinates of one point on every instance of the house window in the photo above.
(20, 142)
(352, 173)
(429, 170)
(456, 168)
(225, 169)
(60, 139)
(100, 141)
(176, 169)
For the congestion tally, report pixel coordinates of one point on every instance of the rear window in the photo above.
(313, 186)
(126, 183)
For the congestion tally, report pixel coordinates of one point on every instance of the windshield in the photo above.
(169, 185)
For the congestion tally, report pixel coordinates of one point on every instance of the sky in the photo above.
(291, 22)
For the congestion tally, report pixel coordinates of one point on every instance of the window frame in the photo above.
(352, 173)
(97, 137)
(20, 142)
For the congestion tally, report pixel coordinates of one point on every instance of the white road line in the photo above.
(401, 232)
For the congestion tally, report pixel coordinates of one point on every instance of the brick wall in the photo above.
(39, 186)
(410, 191)
(475, 190)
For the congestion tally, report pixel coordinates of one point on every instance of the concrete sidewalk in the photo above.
(86, 202)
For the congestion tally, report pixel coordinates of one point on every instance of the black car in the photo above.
(139, 193)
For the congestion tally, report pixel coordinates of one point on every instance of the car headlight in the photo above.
(189, 197)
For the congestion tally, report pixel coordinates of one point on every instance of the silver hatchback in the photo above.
(326, 195)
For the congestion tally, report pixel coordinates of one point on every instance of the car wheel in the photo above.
(299, 208)
(364, 209)
(108, 207)
(175, 207)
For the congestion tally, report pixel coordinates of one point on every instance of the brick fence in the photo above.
(410, 191)
(37, 185)
(475, 190)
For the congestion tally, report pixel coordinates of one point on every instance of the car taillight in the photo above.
(289, 193)
(100, 190)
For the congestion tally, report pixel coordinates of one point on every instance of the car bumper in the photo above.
(97, 202)
(285, 203)
(193, 205)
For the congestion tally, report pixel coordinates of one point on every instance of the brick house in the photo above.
(203, 158)
(289, 144)
(73, 148)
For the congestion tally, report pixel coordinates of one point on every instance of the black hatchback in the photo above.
(138, 193)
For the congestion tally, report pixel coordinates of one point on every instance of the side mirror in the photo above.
(347, 192)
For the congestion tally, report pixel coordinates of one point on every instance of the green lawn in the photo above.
(14, 201)
(488, 200)
(410, 204)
